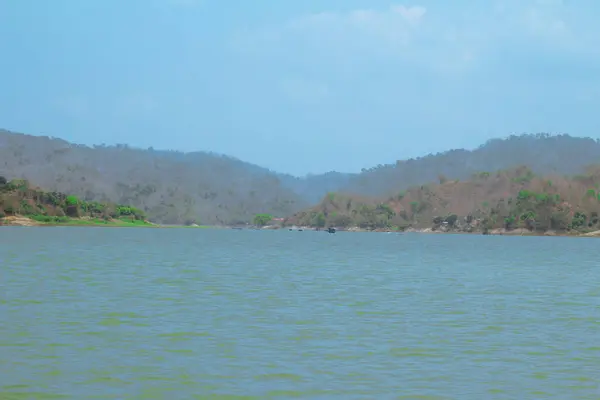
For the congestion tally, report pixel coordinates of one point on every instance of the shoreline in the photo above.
(24, 221)
(430, 231)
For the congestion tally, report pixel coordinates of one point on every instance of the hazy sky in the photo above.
(299, 86)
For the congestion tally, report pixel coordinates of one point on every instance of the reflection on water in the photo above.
(218, 314)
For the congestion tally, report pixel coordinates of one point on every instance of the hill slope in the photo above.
(312, 188)
(19, 198)
(506, 199)
(171, 187)
(177, 187)
(543, 153)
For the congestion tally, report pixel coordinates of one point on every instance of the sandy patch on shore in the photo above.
(18, 221)
(592, 234)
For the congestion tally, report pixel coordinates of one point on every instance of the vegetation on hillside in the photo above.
(170, 187)
(508, 199)
(545, 154)
(192, 188)
(262, 219)
(18, 197)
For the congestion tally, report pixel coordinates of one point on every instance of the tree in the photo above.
(3, 180)
(578, 220)
(320, 220)
(72, 206)
(190, 221)
(262, 219)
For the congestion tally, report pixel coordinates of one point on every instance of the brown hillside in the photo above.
(505, 199)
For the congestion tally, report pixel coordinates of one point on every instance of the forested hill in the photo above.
(171, 187)
(503, 200)
(177, 187)
(545, 154)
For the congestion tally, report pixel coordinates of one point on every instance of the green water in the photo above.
(100, 313)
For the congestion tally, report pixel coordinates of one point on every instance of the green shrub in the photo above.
(72, 201)
(128, 211)
(579, 220)
(262, 219)
(49, 219)
(509, 222)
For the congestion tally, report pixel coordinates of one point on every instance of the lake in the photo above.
(128, 313)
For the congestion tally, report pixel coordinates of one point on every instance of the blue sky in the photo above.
(301, 87)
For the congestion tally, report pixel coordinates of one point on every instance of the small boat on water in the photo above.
(331, 230)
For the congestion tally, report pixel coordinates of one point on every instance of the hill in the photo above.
(311, 188)
(19, 198)
(170, 187)
(507, 199)
(176, 188)
(545, 154)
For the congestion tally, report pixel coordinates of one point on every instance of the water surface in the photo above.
(97, 313)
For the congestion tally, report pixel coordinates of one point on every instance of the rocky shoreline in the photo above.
(492, 232)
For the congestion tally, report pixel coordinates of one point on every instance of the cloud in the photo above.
(359, 39)
(386, 24)
(407, 56)
(441, 38)
(337, 32)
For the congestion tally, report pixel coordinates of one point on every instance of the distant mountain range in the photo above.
(202, 187)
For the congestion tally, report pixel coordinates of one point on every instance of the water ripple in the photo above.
(203, 314)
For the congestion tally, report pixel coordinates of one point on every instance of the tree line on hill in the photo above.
(205, 188)
(507, 200)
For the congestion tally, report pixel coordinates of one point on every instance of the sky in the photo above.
(300, 86)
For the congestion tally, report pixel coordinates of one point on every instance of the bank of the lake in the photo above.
(43, 221)
(20, 220)
(492, 232)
